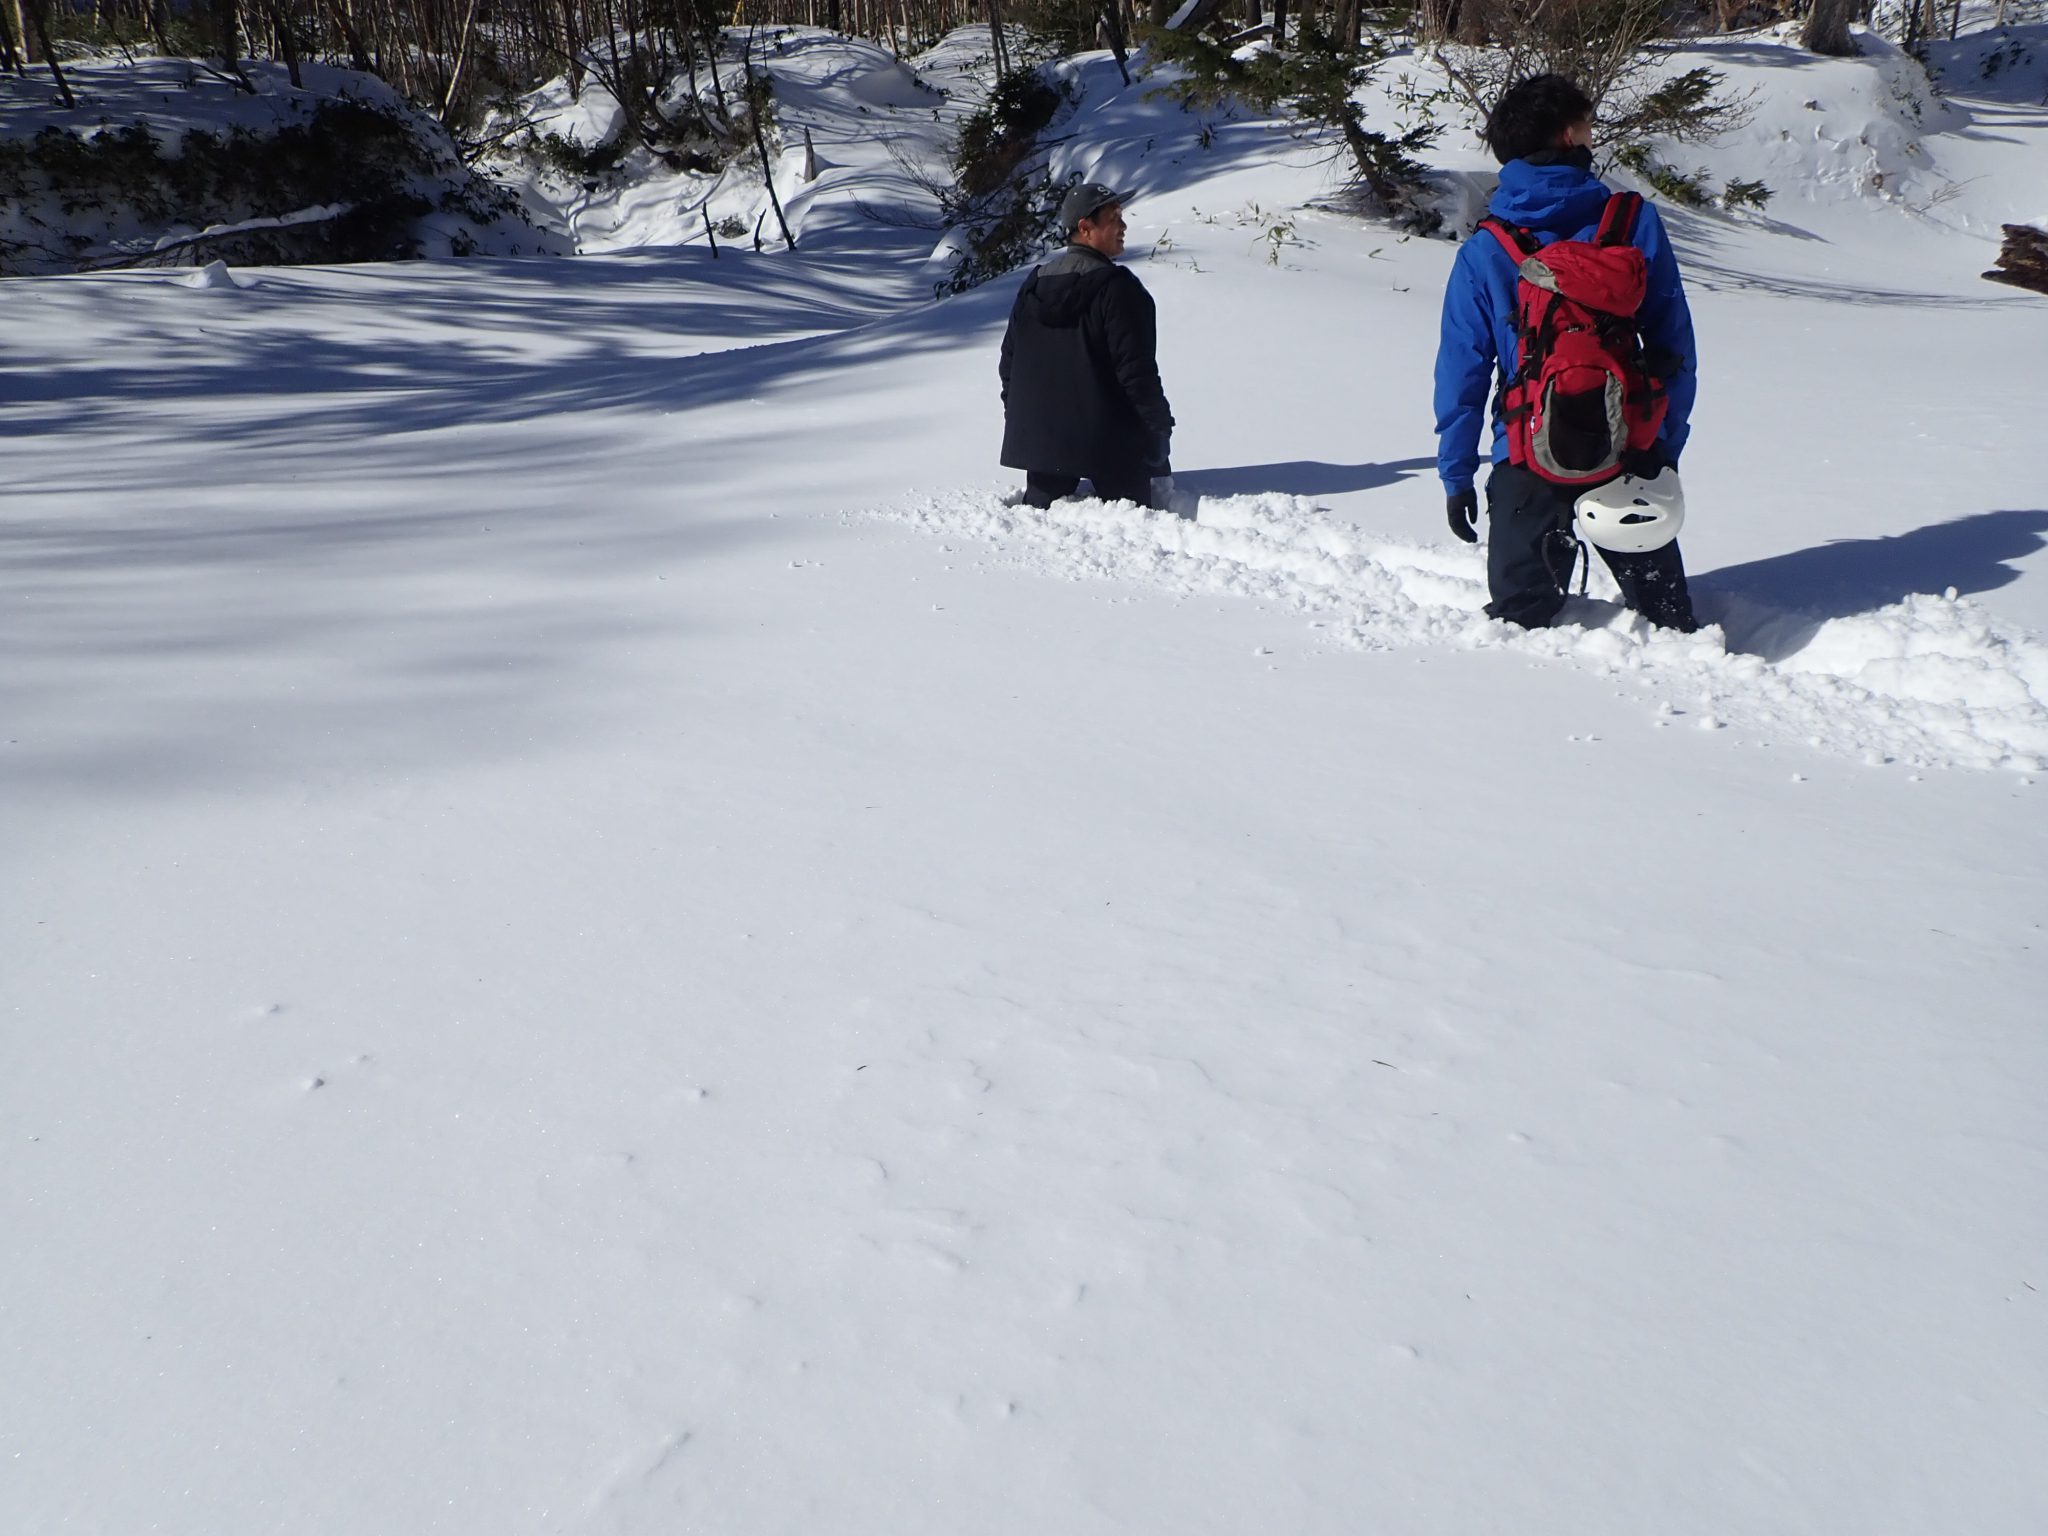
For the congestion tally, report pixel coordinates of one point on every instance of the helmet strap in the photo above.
(1579, 561)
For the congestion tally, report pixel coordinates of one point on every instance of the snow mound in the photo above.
(1929, 681)
(215, 274)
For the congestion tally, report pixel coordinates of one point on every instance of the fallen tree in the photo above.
(2023, 262)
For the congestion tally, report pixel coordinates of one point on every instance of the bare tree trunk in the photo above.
(12, 57)
(572, 46)
(1119, 44)
(344, 22)
(455, 70)
(288, 44)
(39, 14)
(227, 22)
(761, 91)
(1827, 28)
(717, 81)
(1000, 48)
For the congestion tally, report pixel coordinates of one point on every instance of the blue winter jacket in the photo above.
(1555, 202)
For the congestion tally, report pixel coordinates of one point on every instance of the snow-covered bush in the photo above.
(1001, 200)
(1317, 79)
(996, 138)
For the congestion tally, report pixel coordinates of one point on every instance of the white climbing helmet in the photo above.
(1632, 516)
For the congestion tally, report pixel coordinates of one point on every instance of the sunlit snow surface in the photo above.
(599, 934)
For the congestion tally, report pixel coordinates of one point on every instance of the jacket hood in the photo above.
(1064, 284)
(1560, 199)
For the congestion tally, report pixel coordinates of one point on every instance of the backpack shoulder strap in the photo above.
(1518, 243)
(1618, 219)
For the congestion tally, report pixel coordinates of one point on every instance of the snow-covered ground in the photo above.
(854, 107)
(598, 935)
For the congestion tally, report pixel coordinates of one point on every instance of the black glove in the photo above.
(1463, 507)
(1647, 463)
(1161, 464)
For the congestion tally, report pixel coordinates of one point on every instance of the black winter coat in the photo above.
(1081, 391)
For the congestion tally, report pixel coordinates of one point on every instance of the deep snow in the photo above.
(591, 945)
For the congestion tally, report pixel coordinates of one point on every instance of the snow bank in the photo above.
(1930, 681)
(391, 181)
(1836, 137)
(216, 274)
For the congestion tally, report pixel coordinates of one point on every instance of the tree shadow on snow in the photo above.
(1714, 263)
(620, 335)
(1987, 67)
(1299, 477)
(266, 492)
(1807, 587)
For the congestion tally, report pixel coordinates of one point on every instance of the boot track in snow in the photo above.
(1931, 681)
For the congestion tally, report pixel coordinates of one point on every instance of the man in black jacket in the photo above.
(1081, 392)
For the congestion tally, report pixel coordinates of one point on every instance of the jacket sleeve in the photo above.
(1465, 357)
(1667, 323)
(1003, 358)
(1130, 334)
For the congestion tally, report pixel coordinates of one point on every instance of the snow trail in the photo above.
(1930, 681)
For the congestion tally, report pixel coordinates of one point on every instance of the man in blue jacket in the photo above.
(1542, 132)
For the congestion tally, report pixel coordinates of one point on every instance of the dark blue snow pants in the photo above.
(1530, 550)
(1043, 490)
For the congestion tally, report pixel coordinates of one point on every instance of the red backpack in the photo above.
(1581, 396)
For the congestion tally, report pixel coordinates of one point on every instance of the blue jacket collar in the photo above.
(1556, 199)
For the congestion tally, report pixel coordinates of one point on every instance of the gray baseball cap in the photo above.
(1088, 198)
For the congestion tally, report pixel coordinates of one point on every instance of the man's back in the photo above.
(1080, 374)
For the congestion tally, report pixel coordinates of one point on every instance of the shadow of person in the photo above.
(1754, 601)
(1845, 576)
(1298, 477)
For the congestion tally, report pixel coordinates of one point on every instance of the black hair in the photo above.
(1532, 113)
